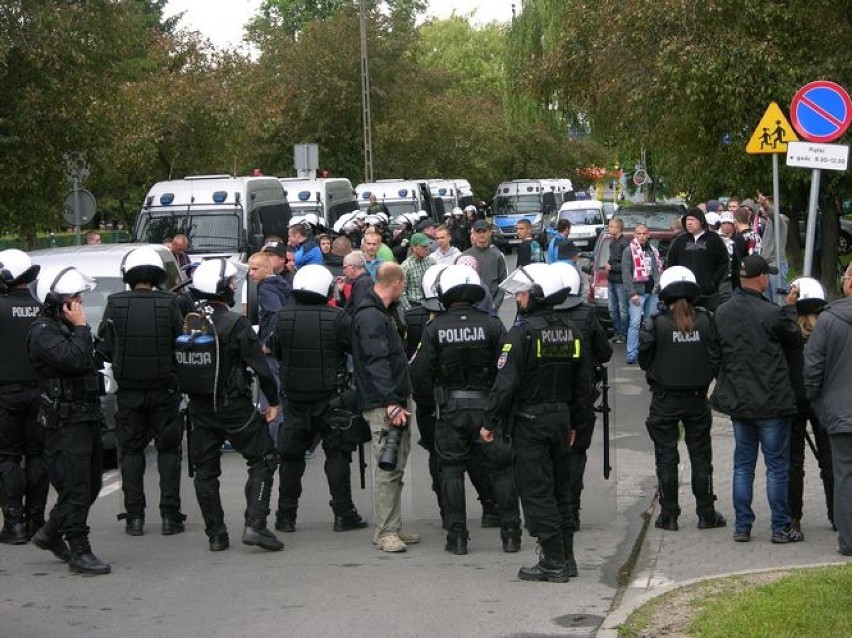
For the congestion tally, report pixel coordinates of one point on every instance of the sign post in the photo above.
(772, 135)
(821, 112)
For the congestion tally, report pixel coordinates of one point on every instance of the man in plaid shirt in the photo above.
(414, 266)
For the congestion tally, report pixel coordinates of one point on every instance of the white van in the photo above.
(587, 219)
(327, 197)
(400, 196)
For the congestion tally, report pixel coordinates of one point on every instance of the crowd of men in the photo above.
(362, 328)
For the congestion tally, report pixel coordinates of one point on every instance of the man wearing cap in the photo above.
(704, 253)
(414, 267)
(491, 262)
(828, 368)
(429, 228)
(754, 388)
(277, 252)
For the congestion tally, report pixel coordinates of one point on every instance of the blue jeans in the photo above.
(773, 437)
(618, 309)
(646, 307)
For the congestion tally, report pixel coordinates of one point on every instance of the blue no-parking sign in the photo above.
(821, 111)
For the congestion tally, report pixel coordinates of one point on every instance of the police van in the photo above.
(326, 197)
(532, 199)
(400, 196)
(103, 263)
(587, 218)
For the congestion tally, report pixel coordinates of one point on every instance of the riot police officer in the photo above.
(24, 492)
(311, 340)
(459, 349)
(593, 342)
(535, 381)
(224, 410)
(679, 351)
(60, 347)
(138, 333)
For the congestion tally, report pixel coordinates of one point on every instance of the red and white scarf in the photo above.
(642, 268)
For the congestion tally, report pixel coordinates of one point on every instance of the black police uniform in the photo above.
(138, 332)
(71, 420)
(534, 388)
(311, 341)
(24, 491)
(679, 367)
(423, 393)
(597, 350)
(231, 416)
(459, 349)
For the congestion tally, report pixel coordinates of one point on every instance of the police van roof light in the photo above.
(167, 198)
(366, 195)
(304, 196)
(220, 196)
(402, 192)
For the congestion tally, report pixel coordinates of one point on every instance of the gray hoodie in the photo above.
(828, 367)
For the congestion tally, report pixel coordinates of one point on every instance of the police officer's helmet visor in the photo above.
(518, 281)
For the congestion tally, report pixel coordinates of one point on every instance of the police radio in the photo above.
(197, 355)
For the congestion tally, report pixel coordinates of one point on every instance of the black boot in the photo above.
(349, 521)
(49, 539)
(511, 537)
(257, 535)
(568, 548)
(711, 519)
(134, 526)
(83, 561)
(285, 521)
(457, 541)
(666, 520)
(33, 525)
(173, 524)
(219, 542)
(13, 532)
(550, 567)
(490, 515)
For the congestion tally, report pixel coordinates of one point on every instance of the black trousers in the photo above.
(668, 410)
(425, 414)
(797, 462)
(144, 415)
(24, 488)
(542, 474)
(584, 422)
(457, 445)
(248, 433)
(302, 423)
(74, 454)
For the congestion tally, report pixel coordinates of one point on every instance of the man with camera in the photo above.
(384, 387)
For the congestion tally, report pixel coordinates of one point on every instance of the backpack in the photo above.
(198, 356)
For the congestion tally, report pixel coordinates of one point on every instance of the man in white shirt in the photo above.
(445, 253)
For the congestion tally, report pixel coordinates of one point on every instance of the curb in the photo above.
(609, 627)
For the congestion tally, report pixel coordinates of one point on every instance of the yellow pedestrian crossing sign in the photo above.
(772, 134)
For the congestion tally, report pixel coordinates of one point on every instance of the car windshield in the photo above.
(518, 204)
(94, 302)
(208, 230)
(657, 219)
(582, 217)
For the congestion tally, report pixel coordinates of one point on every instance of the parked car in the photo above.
(587, 221)
(103, 263)
(654, 216)
(844, 238)
(598, 289)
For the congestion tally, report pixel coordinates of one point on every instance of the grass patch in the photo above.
(778, 604)
(814, 602)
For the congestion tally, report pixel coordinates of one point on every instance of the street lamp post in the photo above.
(365, 97)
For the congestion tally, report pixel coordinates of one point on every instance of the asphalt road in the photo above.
(336, 584)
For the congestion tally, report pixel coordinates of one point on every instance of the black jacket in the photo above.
(755, 336)
(707, 258)
(378, 352)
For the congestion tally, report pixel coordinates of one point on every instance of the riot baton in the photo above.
(602, 379)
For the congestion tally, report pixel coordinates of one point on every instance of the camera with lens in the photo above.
(390, 452)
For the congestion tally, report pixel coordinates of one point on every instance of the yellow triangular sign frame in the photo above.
(772, 133)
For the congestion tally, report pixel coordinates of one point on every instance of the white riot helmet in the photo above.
(458, 283)
(213, 279)
(570, 277)
(544, 284)
(678, 282)
(143, 264)
(811, 295)
(313, 284)
(430, 296)
(458, 212)
(16, 268)
(470, 208)
(58, 284)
